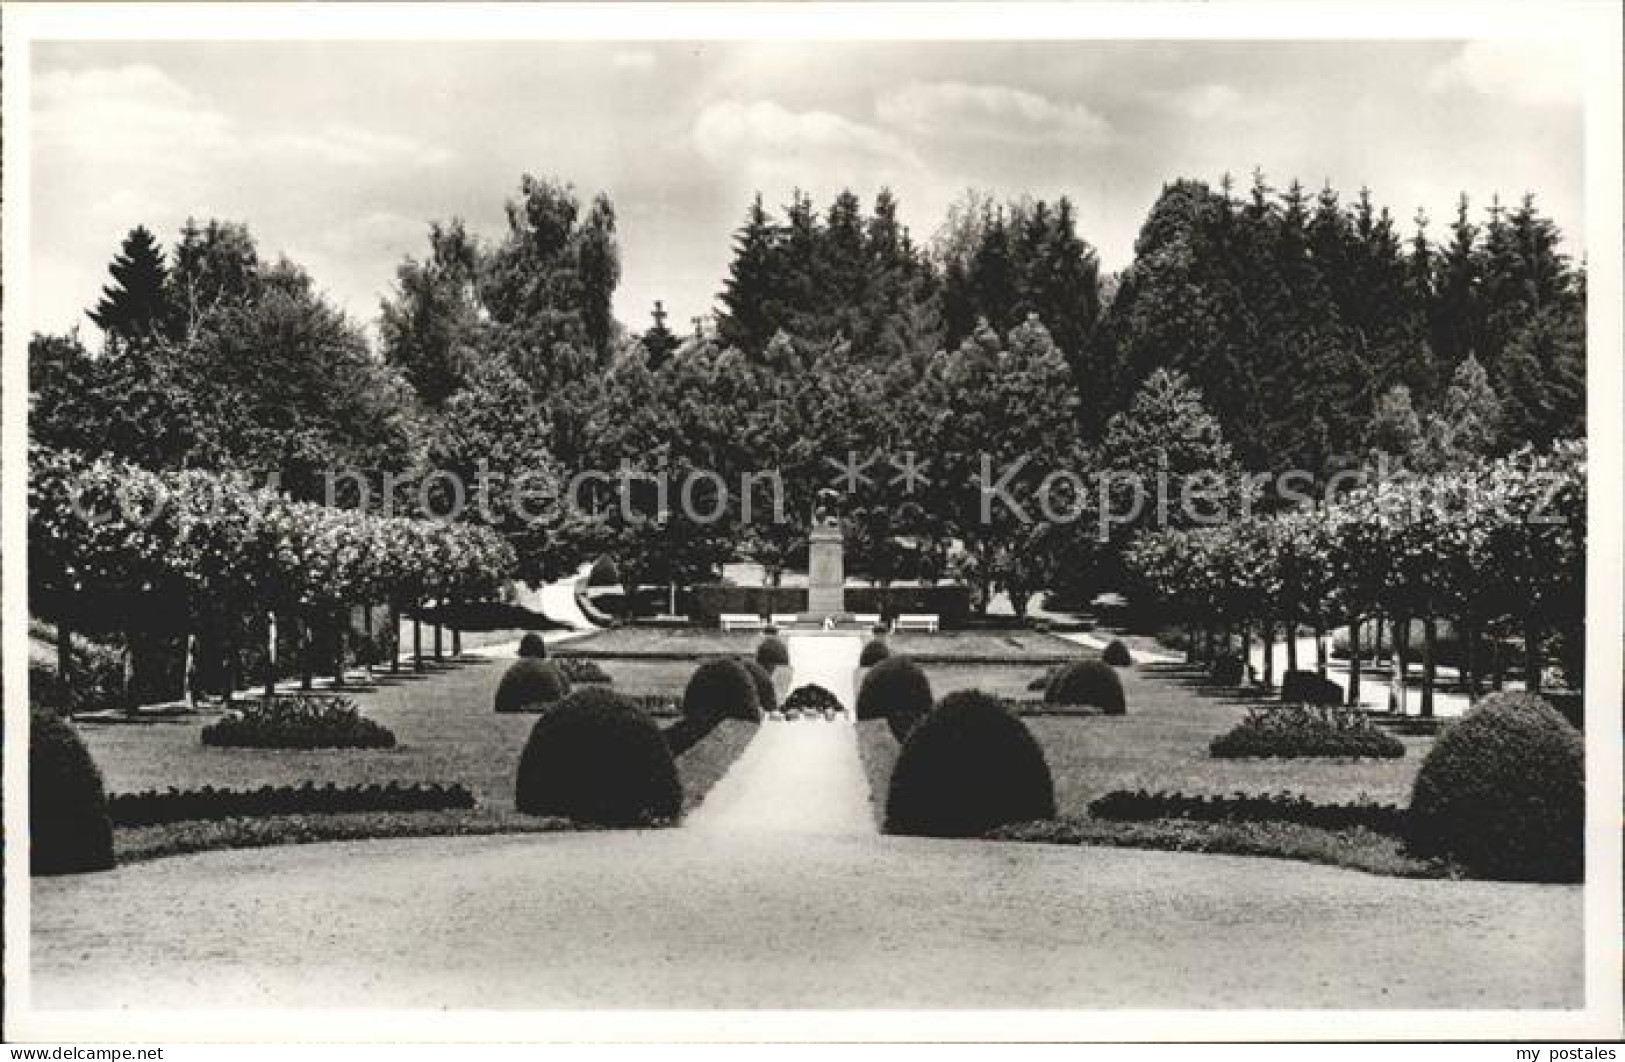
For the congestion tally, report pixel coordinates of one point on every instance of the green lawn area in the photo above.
(445, 728)
(1162, 744)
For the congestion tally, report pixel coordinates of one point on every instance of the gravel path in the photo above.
(799, 777)
(679, 918)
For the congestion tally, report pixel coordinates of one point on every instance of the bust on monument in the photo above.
(827, 508)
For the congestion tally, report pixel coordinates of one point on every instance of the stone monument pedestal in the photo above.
(826, 572)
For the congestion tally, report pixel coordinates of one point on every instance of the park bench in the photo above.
(868, 619)
(783, 619)
(741, 621)
(916, 622)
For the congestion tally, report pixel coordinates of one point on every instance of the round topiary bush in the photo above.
(1502, 793)
(68, 826)
(874, 651)
(1228, 670)
(897, 691)
(767, 698)
(1116, 654)
(1088, 682)
(772, 652)
(533, 647)
(530, 685)
(596, 760)
(721, 689)
(969, 767)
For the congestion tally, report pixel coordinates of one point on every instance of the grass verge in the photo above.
(878, 750)
(138, 844)
(703, 765)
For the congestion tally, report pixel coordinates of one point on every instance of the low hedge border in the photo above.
(1141, 805)
(208, 804)
(137, 844)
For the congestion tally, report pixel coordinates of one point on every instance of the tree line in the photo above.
(1250, 333)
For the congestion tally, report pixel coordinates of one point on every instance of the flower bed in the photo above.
(1142, 806)
(208, 804)
(1293, 731)
(299, 721)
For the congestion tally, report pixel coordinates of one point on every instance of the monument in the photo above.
(826, 571)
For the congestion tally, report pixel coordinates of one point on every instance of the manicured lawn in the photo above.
(1162, 744)
(445, 728)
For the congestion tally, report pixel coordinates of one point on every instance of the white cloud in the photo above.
(1531, 71)
(728, 128)
(991, 112)
(345, 145)
(634, 60)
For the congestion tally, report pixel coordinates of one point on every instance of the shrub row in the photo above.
(1299, 731)
(299, 721)
(1143, 806)
(152, 808)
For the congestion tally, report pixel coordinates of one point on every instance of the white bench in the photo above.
(916, 622)
(868, 618)
(783, 619)
(741, 621)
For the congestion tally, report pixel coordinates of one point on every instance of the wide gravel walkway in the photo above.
(685, 918)
(778, 894)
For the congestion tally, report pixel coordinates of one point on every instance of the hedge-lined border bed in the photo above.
(142, 843)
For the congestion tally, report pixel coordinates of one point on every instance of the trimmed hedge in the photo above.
(533, 647)
(721, 689)
(1144, 806)
(529, 685)
(208, 804)
(1228, 670)
(969, 767)
(299, 721)
(1308, 687)
(1116, 654)
(68, 826)
(1298, 731)
(813, 699)
(595, 759)
(897, 691)
(581, 671)
(1502, 793)
(772, 652)
(767, 698)
(1090, 682)
(874, 651)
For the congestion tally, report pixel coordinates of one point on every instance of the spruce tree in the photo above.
(135, 311)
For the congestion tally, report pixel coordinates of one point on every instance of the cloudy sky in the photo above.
(338, 154)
